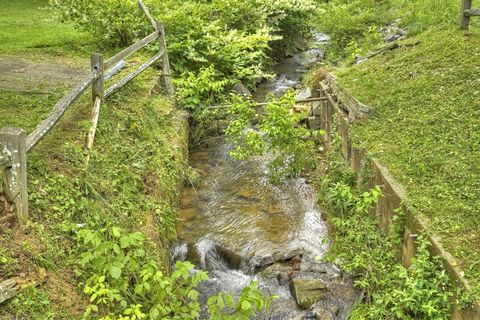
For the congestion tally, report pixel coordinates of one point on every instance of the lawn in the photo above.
(425, 127)
(30, 27)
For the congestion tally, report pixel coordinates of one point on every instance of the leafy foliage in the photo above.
(421, 291)
(212, 44)
(116, 22)
(276, 132)
(123, 282)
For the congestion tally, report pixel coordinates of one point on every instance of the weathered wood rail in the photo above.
(466, 13)
(14, 142)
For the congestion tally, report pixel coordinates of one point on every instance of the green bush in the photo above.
(392, 291)
(280, 136)
(115, 22)
(123, 282)
(220, 41)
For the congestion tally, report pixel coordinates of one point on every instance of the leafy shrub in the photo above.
(392, 291)
(280, 135)
(220, 41)
(116, 22)
(123, 282)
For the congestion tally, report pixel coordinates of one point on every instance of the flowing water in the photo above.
(240, 227)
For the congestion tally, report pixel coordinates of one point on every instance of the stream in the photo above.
(240, 227)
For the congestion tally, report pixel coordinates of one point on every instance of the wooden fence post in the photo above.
(13, 140)
(167, 75)
(98, 84)
(465, 19)
(98, 92)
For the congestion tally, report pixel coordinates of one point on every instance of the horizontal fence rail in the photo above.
(261, 104)
(58, 110)
(114, 70)
(134, 74)
(14, 143)
(131, 50)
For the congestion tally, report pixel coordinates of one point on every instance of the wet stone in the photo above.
(258, 263)
(321, 314)
(307, 291)
(304, 94)
(283, 278)
(242, 89)
(274, 270)
(278, 256)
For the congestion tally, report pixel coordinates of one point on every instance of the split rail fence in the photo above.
(466, 13)
(15, 143)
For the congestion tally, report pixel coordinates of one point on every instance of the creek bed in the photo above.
(240, 227)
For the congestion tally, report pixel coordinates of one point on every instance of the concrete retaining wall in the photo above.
(334, 116)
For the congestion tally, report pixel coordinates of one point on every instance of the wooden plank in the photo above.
(8, 289)
(265, 103)
(13, 141)
(167, 74)
(464, 19)
(114, 70)
(93, 129)
(58, 111)
(472, 12)
(147, 13)
(130, 50)
(132, 75)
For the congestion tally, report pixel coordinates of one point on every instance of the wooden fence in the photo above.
(466, 13)
(15, 143)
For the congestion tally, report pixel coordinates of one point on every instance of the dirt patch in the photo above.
(62, 292)
(37, 77)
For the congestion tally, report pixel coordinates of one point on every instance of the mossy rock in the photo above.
(307, 291)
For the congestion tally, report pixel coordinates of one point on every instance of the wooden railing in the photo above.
(467, 12)
(15, 144)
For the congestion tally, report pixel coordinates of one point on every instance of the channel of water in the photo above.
(240, 227)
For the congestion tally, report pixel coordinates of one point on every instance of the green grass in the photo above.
(29, 26)
(425, 127)
(132, 182)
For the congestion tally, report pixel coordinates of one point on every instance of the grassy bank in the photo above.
(422, 291)
(424, 123)
(130, 185)
(131, 182)
(425, 128)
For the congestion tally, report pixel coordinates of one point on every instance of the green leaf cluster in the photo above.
(123, 282)
(212, 44)
(392, 291)
(276, 132)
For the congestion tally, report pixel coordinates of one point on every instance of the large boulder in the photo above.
(307, 291)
